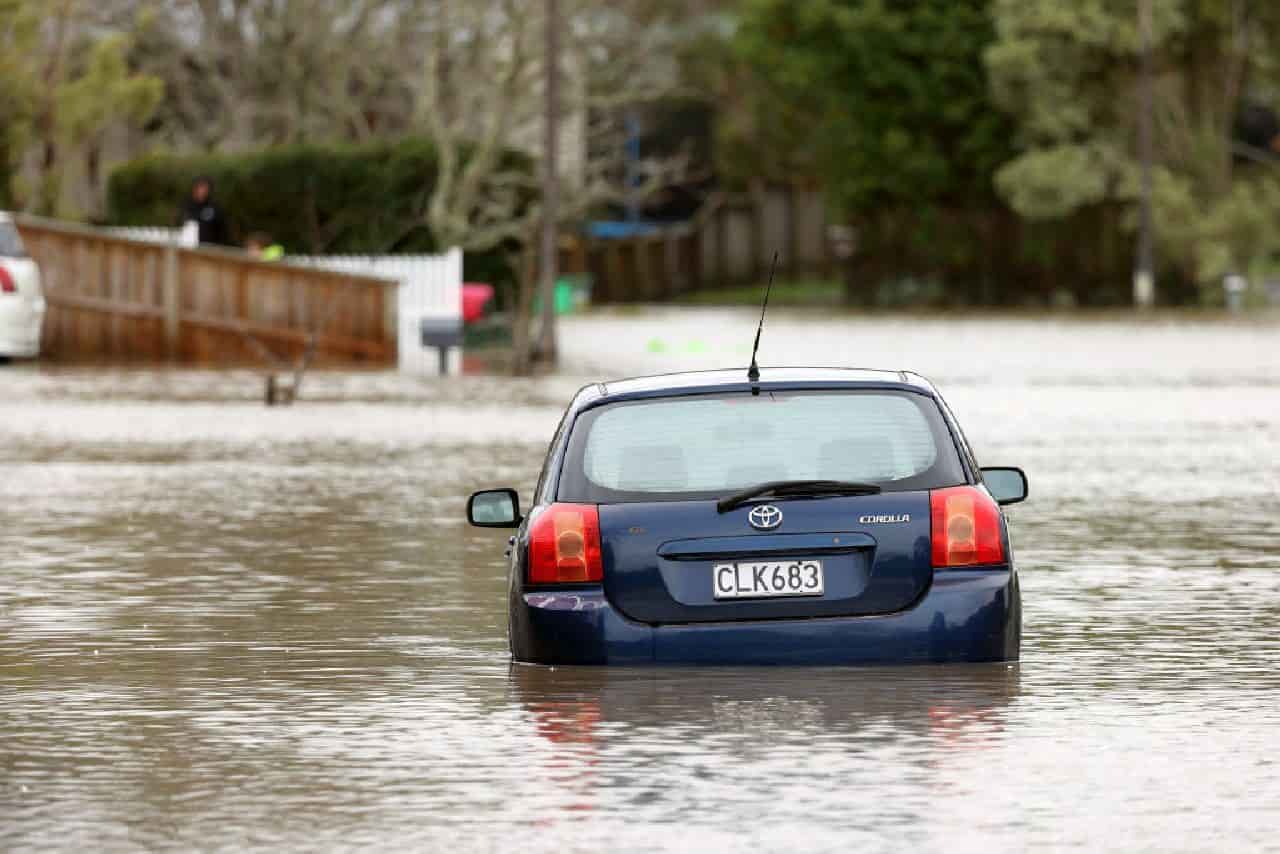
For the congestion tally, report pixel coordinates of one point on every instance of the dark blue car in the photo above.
(812, 516)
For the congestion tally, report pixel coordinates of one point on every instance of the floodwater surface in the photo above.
(224, 626)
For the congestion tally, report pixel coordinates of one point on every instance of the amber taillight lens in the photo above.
(564, 545)
(965, 527)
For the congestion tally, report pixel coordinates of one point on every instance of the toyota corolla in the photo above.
(816, 516)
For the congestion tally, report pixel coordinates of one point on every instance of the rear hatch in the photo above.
(661, 558)
(657, 467)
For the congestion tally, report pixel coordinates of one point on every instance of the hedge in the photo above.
(311, 198)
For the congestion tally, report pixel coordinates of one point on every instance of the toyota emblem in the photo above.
(765, 517)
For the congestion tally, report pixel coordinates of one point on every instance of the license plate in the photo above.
(760, 580)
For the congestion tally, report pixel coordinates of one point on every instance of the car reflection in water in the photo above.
(572, 725)
(735, 716)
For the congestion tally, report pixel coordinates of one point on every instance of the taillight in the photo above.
(7, 285)
(564, 545)
(966, 527)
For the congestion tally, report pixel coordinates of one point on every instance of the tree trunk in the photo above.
(550, 186)
(6, 174)
(761, 247)
(522, 342)
(863, 270)
(93, 175)
(50, 181)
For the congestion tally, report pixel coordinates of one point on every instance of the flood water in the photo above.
(223, 626)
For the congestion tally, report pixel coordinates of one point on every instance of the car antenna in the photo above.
(753, 372)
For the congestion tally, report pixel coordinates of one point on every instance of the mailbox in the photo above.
(442, 333)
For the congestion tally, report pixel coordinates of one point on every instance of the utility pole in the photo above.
(1144, 266)
(549, 262)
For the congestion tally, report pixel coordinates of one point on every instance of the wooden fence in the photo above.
(111, 297)
(730, 241)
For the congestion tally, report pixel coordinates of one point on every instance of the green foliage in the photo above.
(106, 92)
(19, 34)
(1069, 74)
(1034, 183)
(66, 82)
(889, 99)
(311, 198)
(886, 105)
(1240, 233)
(990, 145)
(332, 199)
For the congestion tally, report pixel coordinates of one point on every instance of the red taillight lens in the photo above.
(7, 285)
(966, 527)
(564, 545)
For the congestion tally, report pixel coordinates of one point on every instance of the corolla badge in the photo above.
(765, 517)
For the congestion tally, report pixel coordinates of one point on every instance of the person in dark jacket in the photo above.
(205, 212)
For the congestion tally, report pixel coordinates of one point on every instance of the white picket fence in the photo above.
(430, 287)
(182, 236)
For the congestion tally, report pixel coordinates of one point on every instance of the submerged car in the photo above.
(799, 516)
(22, 303)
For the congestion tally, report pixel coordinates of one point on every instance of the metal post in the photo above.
(1144, 267)
(171, 300)
(550, 185)
(632, 159)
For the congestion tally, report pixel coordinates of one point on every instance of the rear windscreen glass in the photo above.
(716, 444)
(10, 243)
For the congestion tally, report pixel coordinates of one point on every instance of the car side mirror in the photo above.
(494, 508)
(1007, 485)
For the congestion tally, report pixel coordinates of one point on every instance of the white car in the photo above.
(21, 299)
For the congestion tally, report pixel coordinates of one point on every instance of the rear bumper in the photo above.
(20, 324)
(967, 615)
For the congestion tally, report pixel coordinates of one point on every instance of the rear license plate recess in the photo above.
(767, 579)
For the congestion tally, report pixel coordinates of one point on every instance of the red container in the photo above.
(475, 296)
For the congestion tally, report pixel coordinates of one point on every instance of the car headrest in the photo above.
(653, 468)
(859, 458)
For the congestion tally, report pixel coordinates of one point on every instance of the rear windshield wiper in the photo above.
(795, 487)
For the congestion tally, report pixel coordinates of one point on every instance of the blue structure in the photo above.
(610, 229)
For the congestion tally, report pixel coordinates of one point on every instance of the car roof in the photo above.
(731, 379)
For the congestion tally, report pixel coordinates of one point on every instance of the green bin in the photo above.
(573, 292)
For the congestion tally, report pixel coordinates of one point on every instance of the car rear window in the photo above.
(714, 444)
(10, 242)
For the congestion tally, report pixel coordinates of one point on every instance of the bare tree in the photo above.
(255, 72)
(482, 102)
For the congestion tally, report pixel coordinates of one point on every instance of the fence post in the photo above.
(172, 301)
(676, 281)
(792, 232)
(644, 275)
(722, 246)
